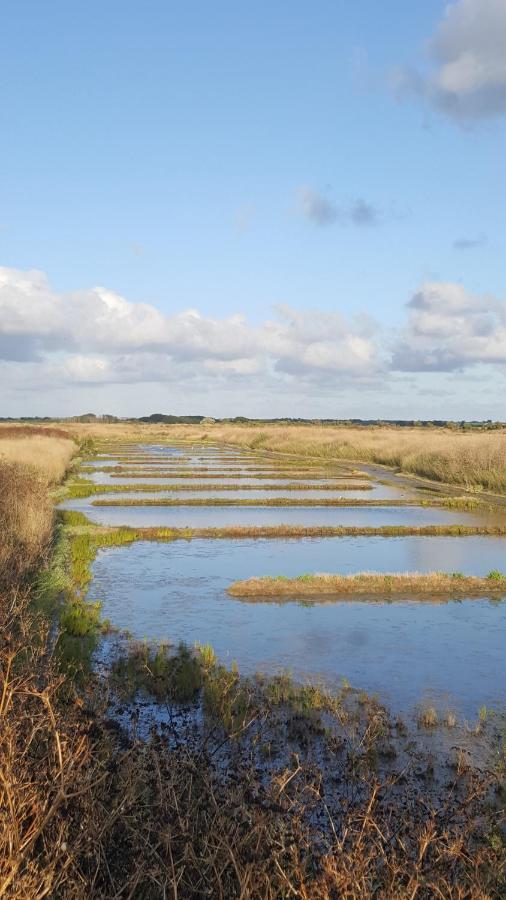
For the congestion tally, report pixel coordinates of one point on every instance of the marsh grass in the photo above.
(413, 584)
(473, 460)
(463, 503)
(79, 520)
(428, 717)
(158, 671)
(218, 474)
(81, 618)
(48, 456)
(80, 489)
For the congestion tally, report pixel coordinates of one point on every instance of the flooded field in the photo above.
(449, 653)
(225, 516)
(453, 651)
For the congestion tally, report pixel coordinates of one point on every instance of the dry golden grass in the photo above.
(28, 465)
(472, 459)
(49, 456)
(26, 520)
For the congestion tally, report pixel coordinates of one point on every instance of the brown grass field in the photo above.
(471, 459)
(49, 456)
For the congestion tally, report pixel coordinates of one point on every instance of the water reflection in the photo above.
(401, 650)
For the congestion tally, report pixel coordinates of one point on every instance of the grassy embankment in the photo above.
(79, 523)
(83, 488)
(412, 584)
(122, 472)
(464, 503)
(456, 457)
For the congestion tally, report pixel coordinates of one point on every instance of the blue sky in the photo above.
(216, 157)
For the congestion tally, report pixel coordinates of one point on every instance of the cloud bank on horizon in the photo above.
(96, 337)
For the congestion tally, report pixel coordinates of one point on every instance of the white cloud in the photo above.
(450, 329)
(468, 55)
(97, 336)
(51, 341)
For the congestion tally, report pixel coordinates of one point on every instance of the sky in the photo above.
(265, 209)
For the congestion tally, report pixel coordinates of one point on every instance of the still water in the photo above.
(223, 516)
(451, 653)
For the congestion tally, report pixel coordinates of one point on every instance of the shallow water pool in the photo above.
(451, 653)
(223, 516)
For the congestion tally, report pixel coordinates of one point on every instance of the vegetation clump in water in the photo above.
(364, 583)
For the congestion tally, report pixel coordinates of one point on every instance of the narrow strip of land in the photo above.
(412, 583)
(120, 472)
(79, 523)
(452, 502)
(88, 488)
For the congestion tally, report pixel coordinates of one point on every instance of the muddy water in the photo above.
(451, 653)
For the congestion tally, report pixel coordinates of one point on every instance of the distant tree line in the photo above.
(170, 419)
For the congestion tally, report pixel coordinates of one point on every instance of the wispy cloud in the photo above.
(316, 207)
(467, 243)
(320, 209)
(363, 213)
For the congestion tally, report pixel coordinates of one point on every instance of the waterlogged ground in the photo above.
(204, 516)
(449, 654)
